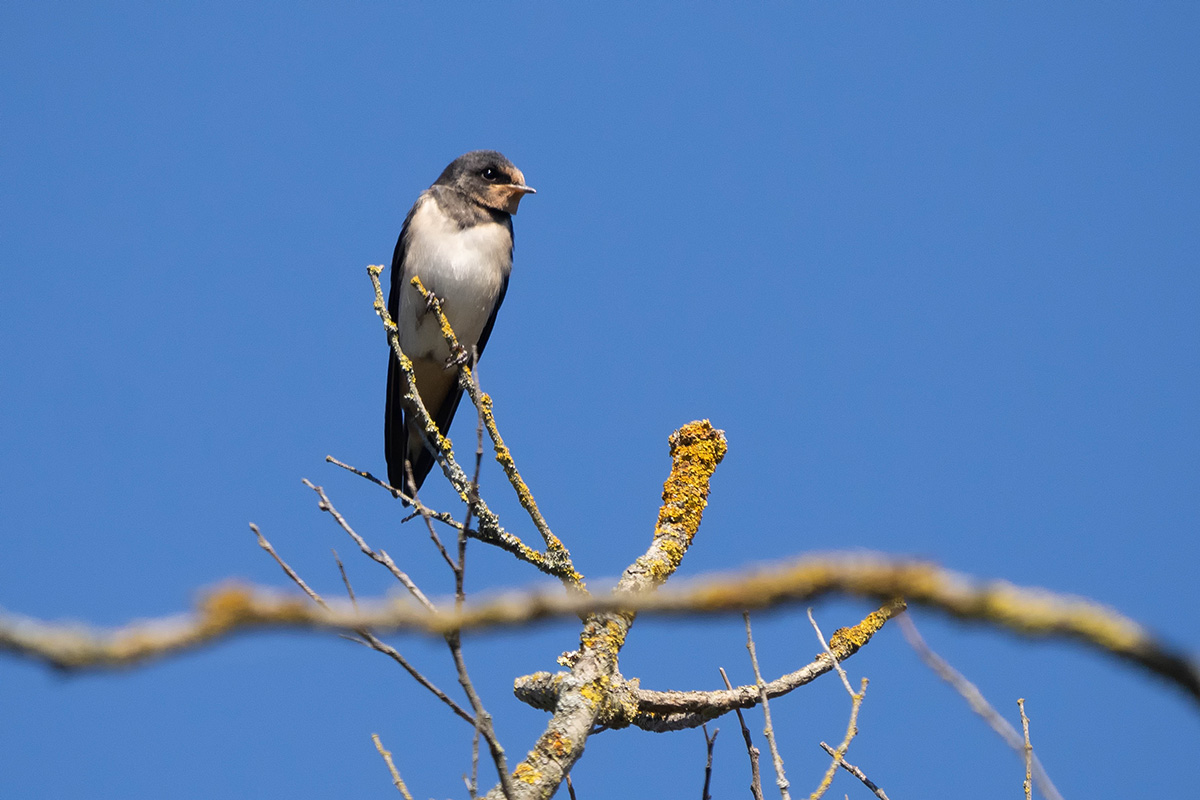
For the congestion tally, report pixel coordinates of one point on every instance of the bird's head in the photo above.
(488, 178)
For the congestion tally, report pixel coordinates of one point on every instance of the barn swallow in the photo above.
(458, 239)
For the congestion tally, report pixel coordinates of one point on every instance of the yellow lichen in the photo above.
(526, 773)
(593, 693)
(696, 449)
(555, 744)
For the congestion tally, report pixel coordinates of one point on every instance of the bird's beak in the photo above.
(513, 193)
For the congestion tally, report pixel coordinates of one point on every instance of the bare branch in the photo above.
(851, 731)
(426, 516)
(855, 704)
(978, 703)
(678, 710)
(291, 573)
(856, 772)
(593, 692)
(345, 580)
(387, 757)
(473, 782)
(709, 741)
(755, 779)
(1027, 785)
(418, 506)
(483, 720)
(780, 776)
(380, 558)
(363, 636)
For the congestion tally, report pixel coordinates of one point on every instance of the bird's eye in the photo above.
(490, 175)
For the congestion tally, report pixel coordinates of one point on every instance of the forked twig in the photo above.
(755, 778)
(441, 516)
(365, 636)
(381, 557)
(780, 776)
(855, 704)
(709, 741)
(856, 772)
(851, 732)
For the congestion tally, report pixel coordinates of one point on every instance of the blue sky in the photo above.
(931, 266)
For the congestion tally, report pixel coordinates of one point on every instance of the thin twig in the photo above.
(780, 777)
(362, 473)
(709, 741)
(387, 757)
(840, 753)
(441, 516)
(1027, 785)
(851, 732)
(381, 557)
(570, 787)
(366, 637)
(423, 512)
(373, 642)
(291, 573)
(483, 720)
(473, 787)
(856, 772)
(825, 645)
(345, 580)
(755, 778)
(978, 703)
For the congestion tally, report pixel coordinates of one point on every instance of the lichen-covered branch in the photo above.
(593, 690)
(1027, 611)
(662, 711)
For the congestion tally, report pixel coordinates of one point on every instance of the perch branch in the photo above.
(489, 529)
(483, 402)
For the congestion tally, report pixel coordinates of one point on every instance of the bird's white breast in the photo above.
(464, 266)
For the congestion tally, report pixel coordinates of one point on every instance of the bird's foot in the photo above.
(458, 356)
(433, 302)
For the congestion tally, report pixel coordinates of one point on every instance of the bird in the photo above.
(458, 239)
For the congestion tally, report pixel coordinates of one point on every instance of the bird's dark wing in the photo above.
(487, 329)
(395, 432)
